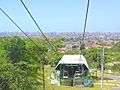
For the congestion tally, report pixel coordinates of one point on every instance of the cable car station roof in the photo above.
(72, 60)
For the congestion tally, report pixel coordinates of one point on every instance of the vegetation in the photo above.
(19, 67)
(96, 86)
(21, 61)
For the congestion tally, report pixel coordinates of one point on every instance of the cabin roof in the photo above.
(73, 59)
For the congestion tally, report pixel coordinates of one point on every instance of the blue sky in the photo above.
(62, 15)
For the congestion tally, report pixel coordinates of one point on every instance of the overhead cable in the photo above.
(18, 27)
(85, 24)
(53, 48)
(85, 21)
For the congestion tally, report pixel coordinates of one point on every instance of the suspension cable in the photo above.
(51, 45)
(85, 23)
(53, 48)
(18, 26)
(30, 40)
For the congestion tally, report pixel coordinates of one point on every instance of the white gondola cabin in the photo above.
(71, 70)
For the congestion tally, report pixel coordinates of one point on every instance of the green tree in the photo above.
(15, 49)
(82, 46)
(20, 65)
(115, 68)
(116, 47)
(58, 43)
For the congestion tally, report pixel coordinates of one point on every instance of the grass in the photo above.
(108, 84)
(53, 87)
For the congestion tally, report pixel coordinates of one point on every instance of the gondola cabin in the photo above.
(71, 71)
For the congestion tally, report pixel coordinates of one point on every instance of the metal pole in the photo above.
(43, 74)
(102, 68)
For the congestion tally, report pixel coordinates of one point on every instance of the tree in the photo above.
(58, 43)
(93, 57)
(82, 46)
(20, 65)
(116, 47)
(15, 49)
(116, 68)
